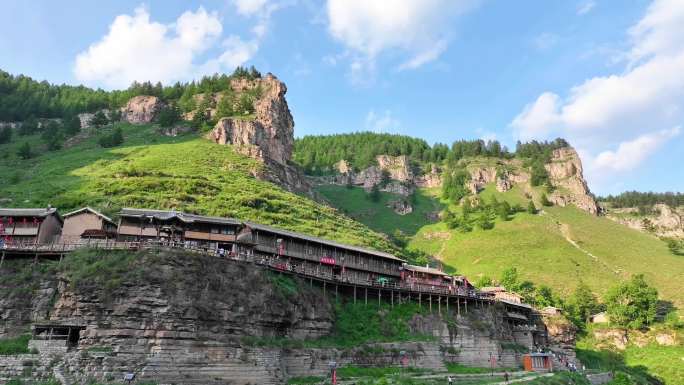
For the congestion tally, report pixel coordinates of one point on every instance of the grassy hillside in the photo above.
(356, 203)
(557, 247)
(153, 171)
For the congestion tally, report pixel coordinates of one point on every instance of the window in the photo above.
(227, 231)
(214, 230)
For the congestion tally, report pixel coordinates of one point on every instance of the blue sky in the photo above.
(607, 75)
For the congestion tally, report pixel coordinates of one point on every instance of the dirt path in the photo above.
(565, 231)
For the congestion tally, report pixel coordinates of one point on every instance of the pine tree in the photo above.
(99, 119)
(545, 201)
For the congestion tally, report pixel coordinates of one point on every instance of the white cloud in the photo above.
(586, 7)
(250, 7)
(137, 48)
(384, 122)
(430, 54)
(606, 112)
(630, 154)
(418, 28)
(538, 119)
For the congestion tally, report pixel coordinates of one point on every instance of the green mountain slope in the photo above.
(557, 247)
(153, 171)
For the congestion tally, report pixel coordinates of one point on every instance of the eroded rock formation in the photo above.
(565, 174)
(141, 109)
(203, 320)
(268, 137)
(663, 220)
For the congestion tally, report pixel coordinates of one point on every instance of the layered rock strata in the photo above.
(191, 320)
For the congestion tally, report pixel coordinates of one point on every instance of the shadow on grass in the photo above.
(607, 360)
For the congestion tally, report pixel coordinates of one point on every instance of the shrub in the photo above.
(99, 119)
(633, 303)
(545, 200)
(112, 140)
(24, 151)
(168, 116)
(16, 345)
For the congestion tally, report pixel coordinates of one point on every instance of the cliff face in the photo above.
(189, 319)
(565, 174)
(141, 109)
(564, 170)
(268, 137)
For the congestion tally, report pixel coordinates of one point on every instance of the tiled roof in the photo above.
(428, 270)
(321, 240)
(90, 210)
(183, 217)
(30, 212)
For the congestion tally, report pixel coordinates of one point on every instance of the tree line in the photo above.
(642, 199)
(318, 154)
(22, 97)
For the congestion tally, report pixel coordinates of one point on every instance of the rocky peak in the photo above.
(141, 109)
(565, 174)
(270, 135)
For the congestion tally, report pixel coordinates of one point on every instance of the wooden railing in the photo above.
(270, 262)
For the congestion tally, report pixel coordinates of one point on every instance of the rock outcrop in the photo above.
(663, 220)
(141, 109)
(400, 206)
(268, 137)
(392, 174)
(565, 174)
(431, 179)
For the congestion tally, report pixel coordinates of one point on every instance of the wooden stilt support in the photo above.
(458, 306)
(335, 293)
(439, 305)
(430, 303)
(35, 260)
(366, 296)
(392, 294)
(324, 288)
(466, 305)
(420, 303)
(354, 294)
(2, 259)
(379, 291)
